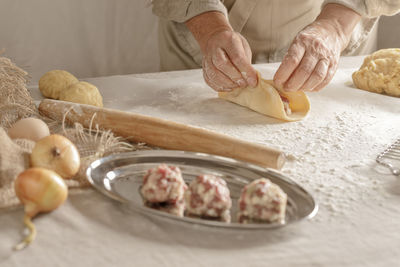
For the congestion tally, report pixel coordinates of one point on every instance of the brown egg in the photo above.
(29, 128)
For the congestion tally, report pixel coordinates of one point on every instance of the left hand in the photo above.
(312, 58)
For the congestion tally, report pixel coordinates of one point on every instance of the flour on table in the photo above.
(331, 153)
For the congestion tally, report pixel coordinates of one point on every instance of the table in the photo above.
(331, 153)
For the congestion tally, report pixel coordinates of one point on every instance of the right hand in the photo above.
(227, 61)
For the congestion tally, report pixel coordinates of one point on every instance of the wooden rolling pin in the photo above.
(163, 133)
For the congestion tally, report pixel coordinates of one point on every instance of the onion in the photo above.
(40, 190)
(56, 152)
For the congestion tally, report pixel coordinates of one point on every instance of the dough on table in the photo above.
(380, 72)
(83, 93)
(267, 100)
(54, 82)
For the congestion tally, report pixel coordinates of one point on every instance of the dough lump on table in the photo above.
(380, 72)
(52, 83)
(83, 93)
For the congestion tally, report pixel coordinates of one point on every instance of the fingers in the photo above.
(289, 64)
(311, 60)
(331, 72)
(317, 76)
(227, 62)
(221, 61)
(215, 78)
(313, 72)
(246, 47)
(302, 72)
(238, 55)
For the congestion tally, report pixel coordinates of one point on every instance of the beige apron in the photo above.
(268, 25)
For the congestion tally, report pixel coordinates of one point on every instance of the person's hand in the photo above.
(227, 61)
(226, 53)
(312, 58)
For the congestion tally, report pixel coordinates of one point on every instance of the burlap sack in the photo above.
(13, 160)
(16, 103)
(15, 157)
(92, 144)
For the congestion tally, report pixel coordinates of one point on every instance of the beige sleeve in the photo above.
(370, 10)
(182, 10)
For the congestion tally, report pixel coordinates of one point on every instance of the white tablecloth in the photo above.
(331, 153)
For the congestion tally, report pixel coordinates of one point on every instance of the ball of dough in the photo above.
(163, 184)
(209, 196)
(262, 201)
(54, 82)
(29, 128)
(380, 72)
(83, 93)
(163, 189)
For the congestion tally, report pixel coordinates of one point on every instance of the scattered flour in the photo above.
(331, 153)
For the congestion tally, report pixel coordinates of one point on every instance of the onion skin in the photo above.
(40, 190)
(56, 152)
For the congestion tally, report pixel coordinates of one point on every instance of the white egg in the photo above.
(29, 128)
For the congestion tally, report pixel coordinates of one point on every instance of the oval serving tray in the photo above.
(120, 177)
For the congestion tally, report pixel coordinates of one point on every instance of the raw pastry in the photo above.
(380, 72)
(54, 82)
(83, 93)
(163, 189)
(208, 196)
(262, 201)
(265, 99)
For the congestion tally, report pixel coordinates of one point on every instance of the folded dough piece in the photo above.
(265, 99)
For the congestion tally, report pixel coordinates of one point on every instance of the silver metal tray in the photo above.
(120, 177)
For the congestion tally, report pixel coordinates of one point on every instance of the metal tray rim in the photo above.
(239, 163)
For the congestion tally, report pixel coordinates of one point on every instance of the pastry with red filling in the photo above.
(163, 188)
(262, 201)
(286, 105)
(208, 197)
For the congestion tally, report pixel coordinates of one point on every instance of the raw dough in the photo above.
(265, 99)
(263, 201)
(380, 72)
(83, 93)
(208, 196)
(54, 82)
(163, 189)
